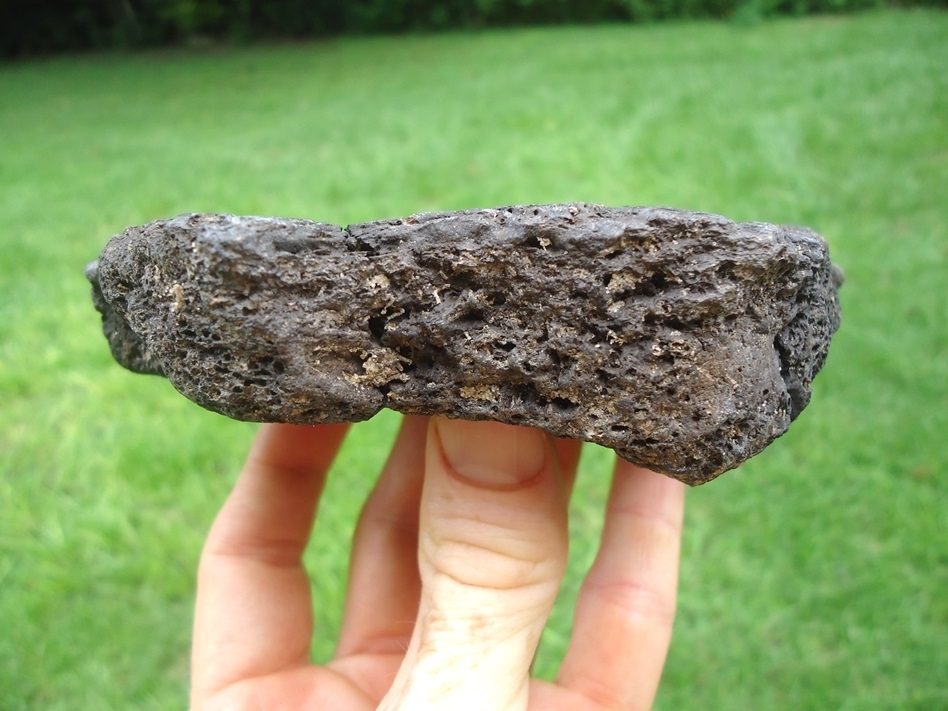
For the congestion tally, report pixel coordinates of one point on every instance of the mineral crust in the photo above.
(684, 341)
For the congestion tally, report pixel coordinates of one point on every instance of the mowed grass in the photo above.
(814, 577)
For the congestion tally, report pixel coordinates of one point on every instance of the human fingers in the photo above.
(384, 586)
(253, 612)
(568, 451)
(626, 607)
(492, 553)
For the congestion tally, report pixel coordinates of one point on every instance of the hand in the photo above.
(456, 561)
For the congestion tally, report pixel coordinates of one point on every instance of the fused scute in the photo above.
(684, 341)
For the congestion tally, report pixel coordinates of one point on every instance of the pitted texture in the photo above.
(684, 341)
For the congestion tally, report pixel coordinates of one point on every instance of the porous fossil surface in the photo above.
(684, 341)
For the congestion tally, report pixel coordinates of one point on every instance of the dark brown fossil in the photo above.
(684, 341)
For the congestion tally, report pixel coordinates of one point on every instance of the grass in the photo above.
(812, 578)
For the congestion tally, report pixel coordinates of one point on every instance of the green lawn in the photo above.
(814, 577)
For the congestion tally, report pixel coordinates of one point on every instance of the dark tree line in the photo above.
(29, 27)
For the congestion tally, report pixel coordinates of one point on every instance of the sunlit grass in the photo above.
(813, 577)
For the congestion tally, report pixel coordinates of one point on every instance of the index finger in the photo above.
(253, 613)
(626, 607)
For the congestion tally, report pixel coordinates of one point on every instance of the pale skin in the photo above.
(456, 561)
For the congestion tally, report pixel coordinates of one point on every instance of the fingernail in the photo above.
(491, 454)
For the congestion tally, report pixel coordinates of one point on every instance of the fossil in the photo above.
(684, 341)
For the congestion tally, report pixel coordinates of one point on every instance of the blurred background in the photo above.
(814, 577)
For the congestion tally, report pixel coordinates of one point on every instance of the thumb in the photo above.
(492, 554)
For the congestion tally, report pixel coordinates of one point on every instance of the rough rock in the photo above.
(684, 341)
